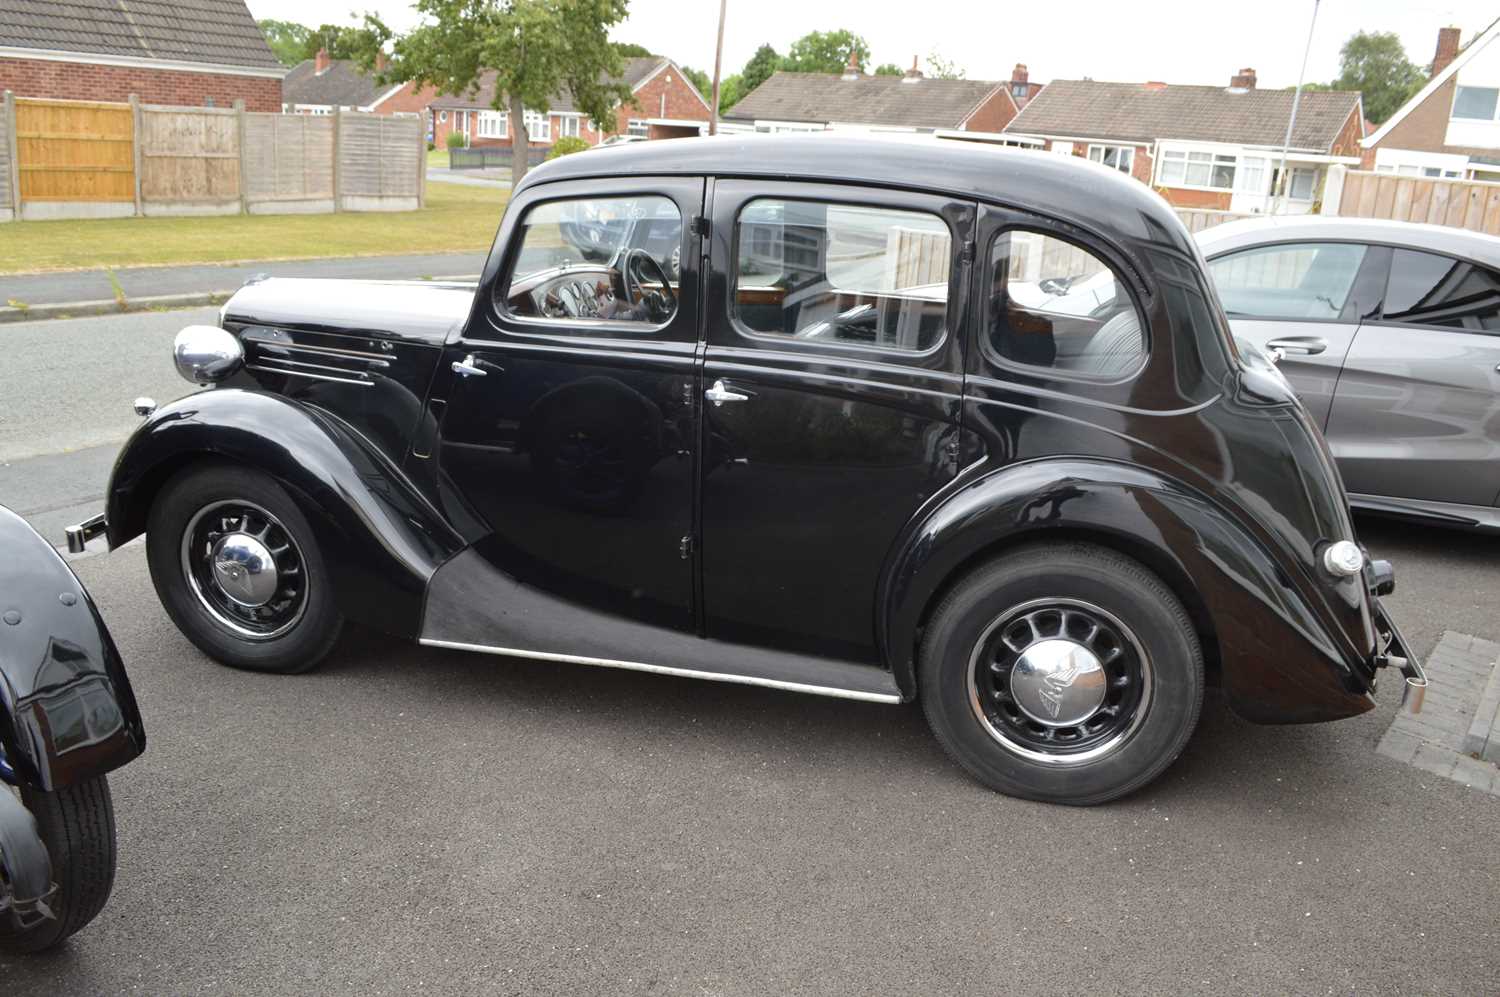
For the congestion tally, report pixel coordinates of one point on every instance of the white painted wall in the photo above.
(1482, 70)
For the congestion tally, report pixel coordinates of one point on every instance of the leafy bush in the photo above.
(567, 144)
(455, 140)
(431, 146)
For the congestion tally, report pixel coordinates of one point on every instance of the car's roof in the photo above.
(1299, 228)
(1068, 187)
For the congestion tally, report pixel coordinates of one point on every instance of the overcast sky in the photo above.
(1177, 41)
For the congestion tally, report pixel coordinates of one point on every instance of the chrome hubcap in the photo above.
(1059, 681)
(245, 569)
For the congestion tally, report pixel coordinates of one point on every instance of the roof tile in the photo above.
(888, 100)
(220, 32)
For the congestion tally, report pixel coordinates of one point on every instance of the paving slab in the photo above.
(1457, 734)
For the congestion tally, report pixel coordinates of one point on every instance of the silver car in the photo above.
(1390, 334)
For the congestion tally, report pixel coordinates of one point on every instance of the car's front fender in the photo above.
(380, 537)
(67, 712)
(1279, 661)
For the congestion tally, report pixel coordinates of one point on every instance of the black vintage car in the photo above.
(885, 420)
(68, 717)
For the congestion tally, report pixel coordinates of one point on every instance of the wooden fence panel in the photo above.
(379, 156)
(288, 157)
(75, 150)
(1470, 204)
(190, 155)
(7, 195)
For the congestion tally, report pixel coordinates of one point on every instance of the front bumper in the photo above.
(80, 535)
(25, 868)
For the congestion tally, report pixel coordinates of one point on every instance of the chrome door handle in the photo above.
(1299, 346)
(721, 393)
(468, 368)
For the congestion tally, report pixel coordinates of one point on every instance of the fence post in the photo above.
(239, 137)
(1333, 188)
(338, 165)
(136, 121)
(15, 163)
(421, 164)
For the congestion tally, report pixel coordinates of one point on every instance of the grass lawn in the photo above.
(457, 218)
(438, 158)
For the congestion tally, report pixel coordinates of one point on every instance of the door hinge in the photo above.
(966, 254)
(700, 225)
(685, 548)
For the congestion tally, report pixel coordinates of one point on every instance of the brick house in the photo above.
(664, 104)
(853, 101)
(322, 85)
(1201, 146)
(1451, 127)
(189, 52)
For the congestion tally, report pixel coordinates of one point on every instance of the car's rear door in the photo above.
(1305, 300)
(1417, 411)
(833, 379)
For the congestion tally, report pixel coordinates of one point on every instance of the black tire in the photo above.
(983, 723)
(306, 637)
(77, 824)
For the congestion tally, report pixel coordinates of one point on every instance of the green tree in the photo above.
(345, 41)
(762, 64)
(825, 52)
(940, 68)
(288, 39)
(1375, 64)
(889, 69)
(731, 89)
(630, 50)
(701, 80)
(535, 48)
(566, 146)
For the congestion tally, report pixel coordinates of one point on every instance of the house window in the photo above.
(493, 124)
(1476, 103)
(1208, 170)
(538, 126)
(638, 127)
(568, 126)
(1252, 175)
(442, 117)
(1119, 157)
(1304, 182)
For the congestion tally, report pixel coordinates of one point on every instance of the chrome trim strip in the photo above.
(316, 377)
(269, 358)
(281, 344)
(690, 673)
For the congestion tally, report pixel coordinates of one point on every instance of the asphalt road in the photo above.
(406, 819)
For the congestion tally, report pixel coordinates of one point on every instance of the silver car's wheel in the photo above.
(245, 569)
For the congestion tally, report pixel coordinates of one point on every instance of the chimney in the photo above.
(1155, 85)
(1243, 80)
(320, 64)
(1447, 49)
(381, 62)
(913, 74)
(1018, 75)
(852, 70)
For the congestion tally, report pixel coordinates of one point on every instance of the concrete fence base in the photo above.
(51, 211)
(311, 206)
(190, 209)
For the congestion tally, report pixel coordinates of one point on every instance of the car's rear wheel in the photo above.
(239, 570)
(77, 824)
(1062, 672)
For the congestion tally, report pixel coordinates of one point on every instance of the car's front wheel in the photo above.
(77, 826)
(1062, 672)
(239, 570)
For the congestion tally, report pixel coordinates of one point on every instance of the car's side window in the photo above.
(1304, 280)
(841, 274)
(612, 259)
(1428, 289)
(1056, 305)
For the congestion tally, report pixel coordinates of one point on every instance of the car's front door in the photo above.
(1417, 412)
(832, 377)
(1304, 300)
(569, 436)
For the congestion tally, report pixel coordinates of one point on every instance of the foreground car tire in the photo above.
(238, 569)
(1062, 672)
(77, 824)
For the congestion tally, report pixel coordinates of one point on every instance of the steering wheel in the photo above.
(634, 273)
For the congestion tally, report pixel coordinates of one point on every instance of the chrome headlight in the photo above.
(1343, 559)
(206, 353)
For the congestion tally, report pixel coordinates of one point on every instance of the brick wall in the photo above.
(87, 81)
(410, 99)
(1347, 141)
(455, 124)
(994, 114)
(1183, 197)
(681, 103)
(1140, 163)
(1425, 129)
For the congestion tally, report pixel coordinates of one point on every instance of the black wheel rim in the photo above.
(245, 569)
(1076, 715)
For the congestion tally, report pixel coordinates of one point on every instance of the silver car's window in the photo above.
(600, 258)
(1054, 304)
(842, 274)
(1428, 289)
(1303, 280)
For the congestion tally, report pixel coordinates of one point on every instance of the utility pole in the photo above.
(1281, 178)
(713, 121)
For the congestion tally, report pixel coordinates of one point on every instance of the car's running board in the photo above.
(471, 606)
(1434, 513)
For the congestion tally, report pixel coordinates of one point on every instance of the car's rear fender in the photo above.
(380, 537)
(1279, 662)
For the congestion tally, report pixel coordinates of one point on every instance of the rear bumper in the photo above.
(1392, 651)
(80, 534)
